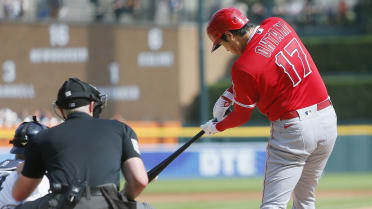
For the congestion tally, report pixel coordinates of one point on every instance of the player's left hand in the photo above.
(209, 127)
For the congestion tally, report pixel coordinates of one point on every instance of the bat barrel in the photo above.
(162, 165)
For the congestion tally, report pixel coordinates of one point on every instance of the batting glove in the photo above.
(222, 104)
(209, 127)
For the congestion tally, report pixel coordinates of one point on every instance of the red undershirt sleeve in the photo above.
(237, 117)
(245, 95)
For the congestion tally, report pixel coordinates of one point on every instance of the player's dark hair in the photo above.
(241, 32)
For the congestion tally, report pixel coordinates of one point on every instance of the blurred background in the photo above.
(152, 57)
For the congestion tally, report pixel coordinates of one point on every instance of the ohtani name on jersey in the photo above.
(272, 39)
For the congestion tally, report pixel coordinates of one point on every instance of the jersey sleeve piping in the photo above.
(244, 105)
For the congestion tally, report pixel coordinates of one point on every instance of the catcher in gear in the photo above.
(9, 169)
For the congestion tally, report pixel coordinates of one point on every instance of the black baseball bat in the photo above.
(163, 164)
(160, 167)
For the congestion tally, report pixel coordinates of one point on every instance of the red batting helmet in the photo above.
(224, 20)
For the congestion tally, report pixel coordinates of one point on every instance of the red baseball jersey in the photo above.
(275, 72)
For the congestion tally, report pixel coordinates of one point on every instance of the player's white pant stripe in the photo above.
(244, 105)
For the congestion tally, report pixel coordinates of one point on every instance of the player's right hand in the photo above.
(222, 104)
(209, 127)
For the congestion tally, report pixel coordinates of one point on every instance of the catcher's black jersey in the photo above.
(82, 148)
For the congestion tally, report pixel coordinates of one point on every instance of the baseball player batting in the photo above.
(276, 73)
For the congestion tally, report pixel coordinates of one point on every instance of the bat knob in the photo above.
(155, 179)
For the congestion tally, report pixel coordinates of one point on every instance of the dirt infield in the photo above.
(212, 196)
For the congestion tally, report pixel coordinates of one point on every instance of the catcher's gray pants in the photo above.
(297, 153)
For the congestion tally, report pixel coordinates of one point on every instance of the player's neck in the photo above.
(244, 39)
(249, 34)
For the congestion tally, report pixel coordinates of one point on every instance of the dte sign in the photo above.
(227, 162)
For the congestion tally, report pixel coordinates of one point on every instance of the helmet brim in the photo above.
(215, 47)
(17, 150)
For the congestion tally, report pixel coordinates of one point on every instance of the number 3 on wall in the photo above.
(290, 63)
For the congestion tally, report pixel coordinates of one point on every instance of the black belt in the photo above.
(87, 191)
(93, 191)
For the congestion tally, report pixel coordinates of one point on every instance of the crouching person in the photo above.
(9, 169)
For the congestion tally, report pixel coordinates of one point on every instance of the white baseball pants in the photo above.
(297, 153)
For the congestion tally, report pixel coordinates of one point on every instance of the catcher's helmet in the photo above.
(76, 93)
(24, 134)
(223, 20)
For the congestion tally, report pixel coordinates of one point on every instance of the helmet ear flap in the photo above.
(100, 101)
(100, 104)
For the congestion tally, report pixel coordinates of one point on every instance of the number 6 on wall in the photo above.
(289, 63)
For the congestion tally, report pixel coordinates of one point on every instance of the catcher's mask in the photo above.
(23, 135)
(76, 93)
